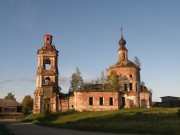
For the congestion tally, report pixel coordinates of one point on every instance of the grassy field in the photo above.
(136, 121)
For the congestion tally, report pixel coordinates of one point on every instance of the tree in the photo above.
(122, 81)
(113, 81)
(27, 104)
(137, 62)
(9, 96)
(97, 81)
(76, 81)
(103, 78)
(142, 85)
(150, 90)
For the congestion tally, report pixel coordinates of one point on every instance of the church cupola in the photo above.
(122, 42)
(48, 42)
(122, 52)
(48, 39)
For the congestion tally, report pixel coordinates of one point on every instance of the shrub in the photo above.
(138, 113)
(47, 113)
(178, 113)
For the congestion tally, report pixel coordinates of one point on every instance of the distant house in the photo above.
(168, 101)
(10, 105)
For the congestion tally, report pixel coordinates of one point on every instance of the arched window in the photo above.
(47, 64)
(47, 80)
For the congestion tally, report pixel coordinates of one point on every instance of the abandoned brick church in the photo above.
(92, 97)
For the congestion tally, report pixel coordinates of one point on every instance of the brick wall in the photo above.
(145, 99)
(82, 101)
(66, 103)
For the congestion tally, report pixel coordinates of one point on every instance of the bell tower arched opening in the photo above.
(47, 64)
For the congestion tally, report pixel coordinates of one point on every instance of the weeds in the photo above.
(178, 113)
(139, 121)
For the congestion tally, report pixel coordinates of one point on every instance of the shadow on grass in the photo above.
(136, 122)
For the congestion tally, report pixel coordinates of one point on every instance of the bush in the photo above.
(47, 113)
(178, 113)
(138, 113)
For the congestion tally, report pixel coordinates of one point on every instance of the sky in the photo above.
(86, 34)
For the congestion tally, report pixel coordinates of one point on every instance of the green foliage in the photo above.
(9, 96)
(137, 62)
(116, 82)
(47, 113)
(142, 85)
(122, 80)
(113, 81)
(97, 81)
(27, 104)
(59, 88)
(129, 121)
(103, 78)
(178, 113)
(76, 81)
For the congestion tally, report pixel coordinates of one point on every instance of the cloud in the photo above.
(7, 81)
(33, 80)
(64, 80)
(89, 80)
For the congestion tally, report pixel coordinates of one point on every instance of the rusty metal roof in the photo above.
(9, 103)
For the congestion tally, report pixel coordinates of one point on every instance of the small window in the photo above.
(130, 76)
(124, 56)
(101, 101)
(111, 101)
(48, 41)
(136, 87)
(125, 87)
(130, 86)
(90, 100)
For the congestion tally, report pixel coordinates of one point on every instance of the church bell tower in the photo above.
(46, 95)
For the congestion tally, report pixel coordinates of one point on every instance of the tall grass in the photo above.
(146, 121)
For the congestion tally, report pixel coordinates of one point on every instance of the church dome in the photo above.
(122, 42)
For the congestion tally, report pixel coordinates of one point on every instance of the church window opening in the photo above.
(100, 100)
(130, 76)
(47, 64)
(111, 101)
(90, 100)
(123, 102)
(47, 80)
(130, 86)
(124, 56)
(132, 103)
(125, 87)
(143, 103)
(47, 41)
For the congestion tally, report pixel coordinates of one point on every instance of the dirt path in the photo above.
(19, 128)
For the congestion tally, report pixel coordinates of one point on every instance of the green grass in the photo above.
(137, 121)
(3, 130)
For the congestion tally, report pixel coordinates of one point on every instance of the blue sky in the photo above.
(86, 33)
